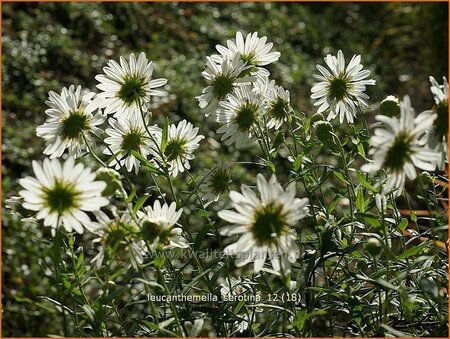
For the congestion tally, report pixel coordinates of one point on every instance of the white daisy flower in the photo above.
(63, 193)
(126, 136)
(437, 136)
(266, 224)
(276, 102)
(222, 76)
(215, 183)
(398, 149)
(341, 89)
(182, 141)
(128, 85)
(116, 234)
(158, 226)
(240, 115)
(253, 51)
(70, 122)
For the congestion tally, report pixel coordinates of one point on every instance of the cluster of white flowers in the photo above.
(242, 98)
(63, 194)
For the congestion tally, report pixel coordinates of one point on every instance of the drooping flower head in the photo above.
(222, 76)
(398, 148)
(61, 194)
(70, 122)
(266, 224)
(340, 89)
(126, 136)
(253, 51)
(182, 141)
(158, 226)
(240, 115)
(127, 86)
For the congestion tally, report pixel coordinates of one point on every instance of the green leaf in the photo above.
(159, 261)
(297, 163)
(165, 133)
(412, 251)
(360, 201)
(334, 203)
(341, 177)
(271, 166)
(203, 213)
(364, 182)
(372, 220)
(403, 224)
(361, 150)
(146, 164)
(141, 201)
(303, 316)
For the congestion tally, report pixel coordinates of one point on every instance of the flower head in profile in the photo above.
(437, 136)
(182, 141)
(115, 235)
(216, 183)
(126, 136)
(266, 224)
(128, 87)
(158, 226)
(398, 149)
(61, 194)
(222, 75)
(240, 115)
(254, 51)
(70, 122)
(276, 102)
(341, 89)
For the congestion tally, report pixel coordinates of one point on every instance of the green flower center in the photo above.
(150, 231)
(339, 87)
(222, 85)
(132, 89)
(246, 116)
(441, 123)
(175, 149)
(269, 224)
(131, 141)
(399, 153)
(219, 180)
(74, 125)
(61, 197)
(278, 108)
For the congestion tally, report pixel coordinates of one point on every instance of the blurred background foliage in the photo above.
(50, 45)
